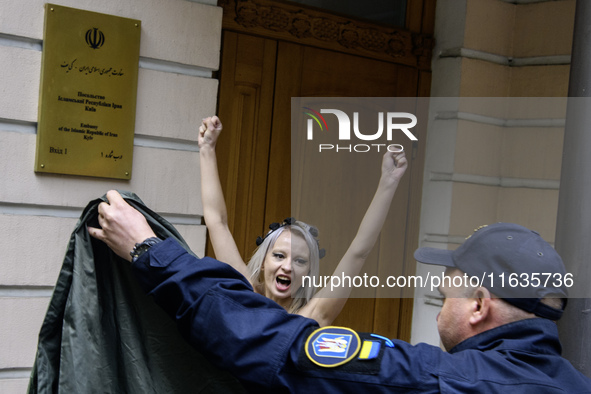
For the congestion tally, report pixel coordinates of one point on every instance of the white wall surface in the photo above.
(475, 172)
(180, 49)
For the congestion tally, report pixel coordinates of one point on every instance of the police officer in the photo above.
(497, 340)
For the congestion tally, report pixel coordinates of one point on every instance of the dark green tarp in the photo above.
(102, 334)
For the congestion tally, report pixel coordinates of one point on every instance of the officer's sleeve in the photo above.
(217, 311)
(257, 340)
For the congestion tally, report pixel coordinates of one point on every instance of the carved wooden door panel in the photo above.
(259, 75)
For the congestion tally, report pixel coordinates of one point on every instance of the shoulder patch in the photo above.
(332, 346)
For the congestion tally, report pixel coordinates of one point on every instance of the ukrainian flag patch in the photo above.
(332, 346)
(370, 350)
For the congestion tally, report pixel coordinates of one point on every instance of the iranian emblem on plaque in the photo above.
(95, 38)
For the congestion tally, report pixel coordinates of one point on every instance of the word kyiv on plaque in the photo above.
(88, 93)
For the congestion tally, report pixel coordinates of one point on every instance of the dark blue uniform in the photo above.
(265, 347)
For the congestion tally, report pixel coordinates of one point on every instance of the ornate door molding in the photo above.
(323, 30)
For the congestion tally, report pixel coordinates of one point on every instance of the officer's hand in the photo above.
(122, 225)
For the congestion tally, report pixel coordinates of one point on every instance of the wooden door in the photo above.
(259, 76)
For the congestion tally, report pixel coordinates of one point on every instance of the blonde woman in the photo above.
(291, 249)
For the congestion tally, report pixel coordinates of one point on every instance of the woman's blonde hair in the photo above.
(309, 233)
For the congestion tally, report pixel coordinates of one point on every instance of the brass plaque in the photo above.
(88, 93)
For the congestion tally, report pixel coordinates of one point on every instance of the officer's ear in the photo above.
(480, 306)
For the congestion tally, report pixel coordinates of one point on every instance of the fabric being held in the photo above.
(101, 332)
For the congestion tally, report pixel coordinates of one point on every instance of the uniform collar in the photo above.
(538, 335)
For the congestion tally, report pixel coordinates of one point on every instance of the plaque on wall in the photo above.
(88, 92)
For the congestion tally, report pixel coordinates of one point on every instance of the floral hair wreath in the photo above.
(289, 221)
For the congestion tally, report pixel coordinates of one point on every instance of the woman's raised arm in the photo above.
(324, 307)
(214, 205)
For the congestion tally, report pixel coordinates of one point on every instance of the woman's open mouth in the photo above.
(283, 282)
